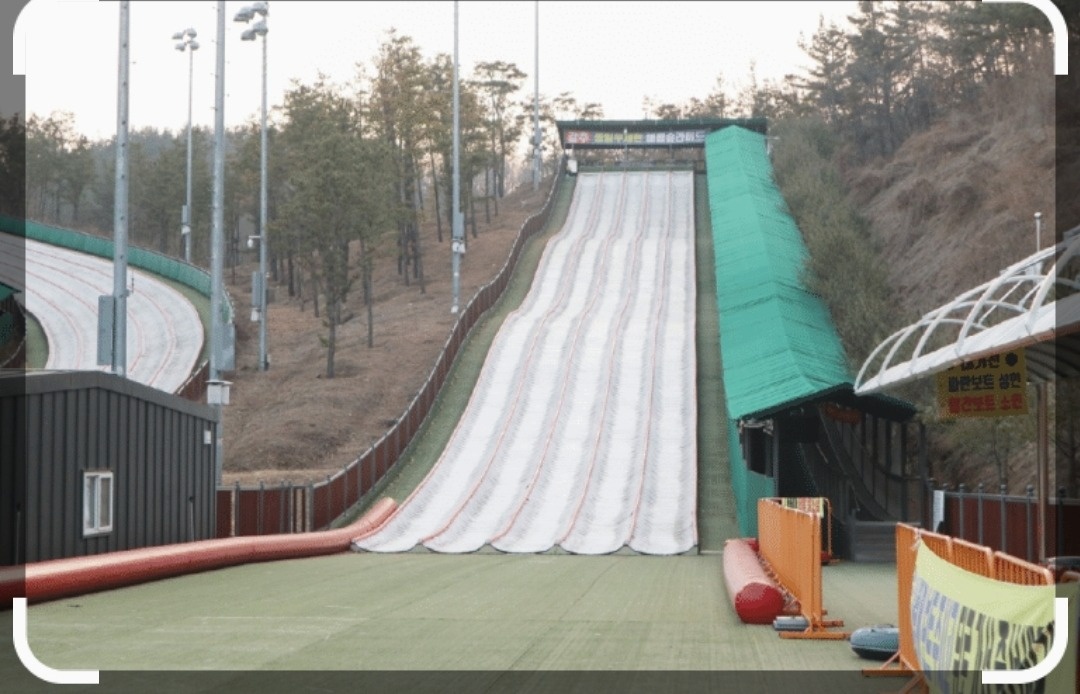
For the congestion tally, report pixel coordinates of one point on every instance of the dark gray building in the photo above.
(91, 463)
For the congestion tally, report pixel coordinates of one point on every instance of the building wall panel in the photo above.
(57, 426)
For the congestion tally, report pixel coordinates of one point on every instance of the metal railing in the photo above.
(259, 510)
(860, 479)
(1007, 522)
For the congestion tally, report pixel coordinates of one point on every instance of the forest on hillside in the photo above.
(353, 170)
(912, 155)
(901, 87)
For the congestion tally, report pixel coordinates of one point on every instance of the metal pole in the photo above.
(1042, 456)
(120, 206)
(536, 99)
(1002, 518)
(217, 234)
(264, 362)
(960, 495)
(186, 216)
(457, 232)
(1038, 231)
(979, 509)
(1028, 525)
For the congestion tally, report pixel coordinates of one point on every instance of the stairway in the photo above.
(871, 541)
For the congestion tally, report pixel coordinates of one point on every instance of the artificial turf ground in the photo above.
(424, 611)
(477, 615)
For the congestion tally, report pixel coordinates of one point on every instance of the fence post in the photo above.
(281, 507)
(960, 496)
(1030, 530)
(1060, 511)
(287, 510)
(261, 515)
(291, 507)
(310, 507)
(1001, 491)
(236, 510)
(979, 510)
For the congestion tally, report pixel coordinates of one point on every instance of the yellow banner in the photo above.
(963, 623)
(989, 387)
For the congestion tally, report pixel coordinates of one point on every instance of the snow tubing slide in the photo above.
(756, 597)
(60, 578)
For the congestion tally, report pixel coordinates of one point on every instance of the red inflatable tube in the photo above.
(756, 597)
(59, 578)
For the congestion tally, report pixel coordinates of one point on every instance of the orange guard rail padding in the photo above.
(790, 541)
(59, 578)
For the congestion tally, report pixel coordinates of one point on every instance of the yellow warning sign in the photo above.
(993, 386)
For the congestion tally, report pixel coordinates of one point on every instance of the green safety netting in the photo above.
(777, 341)
(781, 346)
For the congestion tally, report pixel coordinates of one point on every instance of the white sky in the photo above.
(614, 53)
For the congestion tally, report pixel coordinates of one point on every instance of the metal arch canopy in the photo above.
(1033, 304)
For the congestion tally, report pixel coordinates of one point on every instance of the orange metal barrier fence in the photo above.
(966, 555)
(790, 541)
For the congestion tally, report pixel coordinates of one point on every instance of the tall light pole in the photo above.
(112, 320)
(536, 99)
(258, 285)
(457, 228)
(216, 388)
(186, 42)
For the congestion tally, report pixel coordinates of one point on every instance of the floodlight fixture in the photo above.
(258, 28)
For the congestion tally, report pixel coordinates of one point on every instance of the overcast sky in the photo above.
(614, 53)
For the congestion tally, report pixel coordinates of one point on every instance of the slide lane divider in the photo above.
(608, 362)
(658, 325)
(593, 212)
(662, 313)
(525, 367)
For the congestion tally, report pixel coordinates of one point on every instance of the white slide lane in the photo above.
(581, 430)
(164, 332)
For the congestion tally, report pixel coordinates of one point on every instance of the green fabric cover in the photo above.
(783, 347)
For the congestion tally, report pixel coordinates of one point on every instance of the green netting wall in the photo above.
(777, 340)
(749, 486)
(170, 268)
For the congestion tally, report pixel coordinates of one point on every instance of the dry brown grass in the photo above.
(951, 209)
(955, 204)
(292, 423)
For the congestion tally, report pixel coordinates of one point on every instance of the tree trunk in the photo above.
(435, 192)
(293, 284)
(404, 252)
(332, 311)
(365, 264)
(488, 175)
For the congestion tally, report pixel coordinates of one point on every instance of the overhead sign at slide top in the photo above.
(574, 138)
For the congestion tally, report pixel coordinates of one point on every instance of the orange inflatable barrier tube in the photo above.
(60, 578)
(754, 595)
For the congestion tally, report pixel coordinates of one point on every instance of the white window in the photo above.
(97, 503)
